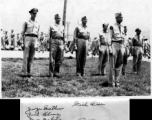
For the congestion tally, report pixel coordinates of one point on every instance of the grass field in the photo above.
(40, 85)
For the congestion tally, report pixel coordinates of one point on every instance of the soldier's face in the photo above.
(57, 20)
(33, 15)
(138, 32)
(84, 21)
(119, 19)
(105, 27)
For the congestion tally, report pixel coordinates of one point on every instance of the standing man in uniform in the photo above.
(137, 51)
(127, 51)
(81, 38)
(30, 35)
(6, 41)
(55, 37)
(12, 40)
(103, 49)
(2, 40)
(116, 57)
(41, 42)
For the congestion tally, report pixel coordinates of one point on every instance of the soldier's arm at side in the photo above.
(23, 32)
(110, 36)
(75, 36)
(50, 35)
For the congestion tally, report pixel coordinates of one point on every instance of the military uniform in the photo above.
(116, 57)
(137, 53)
(56, 47)
(81, 37)
(30, 34)
(2, 40)
(41, 44)
(6, 41)
(126, 53)
(103, 51)
(12, 41)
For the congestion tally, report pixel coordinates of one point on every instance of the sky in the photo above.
(136, 13)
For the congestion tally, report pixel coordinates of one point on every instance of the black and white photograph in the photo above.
(74, 109)
(75, 48)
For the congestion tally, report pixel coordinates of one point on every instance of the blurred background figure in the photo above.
(137, 51)
(6, 41)
(2, 39)
(146, 48)
(19, 42)
(12, 40)
(41, 40)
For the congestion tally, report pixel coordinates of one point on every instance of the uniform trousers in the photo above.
(81, 55)
(137, 58)
(28, 53)
(56, 55)
(103, 59)
(116, 62)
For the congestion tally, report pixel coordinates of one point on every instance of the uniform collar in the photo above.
(104, 31)
(118, 24)
(83, 26)
(32, 21)
(57, 24)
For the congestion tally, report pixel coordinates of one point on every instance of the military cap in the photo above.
(34, 10)
(57, 16)
(105, 24)
(84, 18)
(137, 30)
(118, 15)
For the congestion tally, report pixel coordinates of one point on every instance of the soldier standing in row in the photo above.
(6, 41)
(12, 40)
(82, 38)
(127, 51)
(30, 35)
(41, 41)
(137, 51)
(103, 49)
(55, 36)
(116, 58)
(2, 40)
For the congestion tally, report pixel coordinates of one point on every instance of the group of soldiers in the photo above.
(114, 47)
(15, 41)
(10, 42)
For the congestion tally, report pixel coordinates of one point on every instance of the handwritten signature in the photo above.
(46, 111)
(86, 104)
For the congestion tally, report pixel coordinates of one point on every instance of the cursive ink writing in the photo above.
(96, 103)
(76, 103)
(52, 108)
(32, 112)
(50, 114)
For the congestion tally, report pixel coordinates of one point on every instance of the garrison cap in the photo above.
(137, 30)
(105, 24)
(34, 10)
(84, 18)
(118, 15)
(57, 16)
